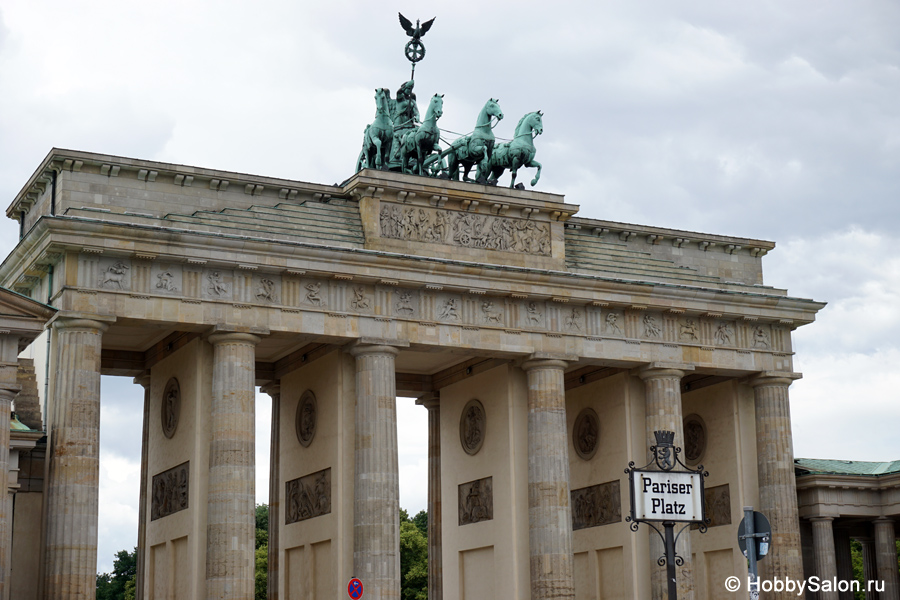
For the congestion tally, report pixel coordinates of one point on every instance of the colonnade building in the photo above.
(546, 347)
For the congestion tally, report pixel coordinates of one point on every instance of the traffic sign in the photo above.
(762, 533)
(355, 589)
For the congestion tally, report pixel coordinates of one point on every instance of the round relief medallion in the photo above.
(694, 439)
(307, 415)
(472, 426)
(586, 433)
(171, 408)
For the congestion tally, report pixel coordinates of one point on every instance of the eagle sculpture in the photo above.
(415, 32)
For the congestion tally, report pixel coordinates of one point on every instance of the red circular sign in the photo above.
(355, 589)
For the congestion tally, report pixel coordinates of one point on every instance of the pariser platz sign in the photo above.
(667, 496)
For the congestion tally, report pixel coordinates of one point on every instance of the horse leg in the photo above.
(513, 170)
(533, 163)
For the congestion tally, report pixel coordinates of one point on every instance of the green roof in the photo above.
(821, 466)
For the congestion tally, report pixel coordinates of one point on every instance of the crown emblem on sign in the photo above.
(665, 438)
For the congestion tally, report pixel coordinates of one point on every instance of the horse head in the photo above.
(492, 109)
(436, 107)
(532, 121)
(381, 97)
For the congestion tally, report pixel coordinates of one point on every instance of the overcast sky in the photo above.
(768, 119)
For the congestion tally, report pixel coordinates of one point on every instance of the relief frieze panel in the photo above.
(308, 497)
(718, 505)
(170, 491)
(476, 501)
(464, 229)
(294, 290)
(596, 505)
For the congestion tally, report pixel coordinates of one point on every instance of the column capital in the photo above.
(369, 345)
(658, 370)
(430, 400)
(821, 519)
(233, 337)
(548, 360)
(883, 520)
(143, 380)
(83, 321)
(273, 388)
(775, 378)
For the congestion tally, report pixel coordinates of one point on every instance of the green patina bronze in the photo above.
(520, 151)
(418, 145)
(379, 135)
(473, 150)
(396, 140)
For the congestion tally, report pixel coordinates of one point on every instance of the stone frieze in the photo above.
(596, 505)
(308, 497)
(465, 229)
(170, 491)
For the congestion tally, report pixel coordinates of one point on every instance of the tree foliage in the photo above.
(413, 556)
(120, 584)
(112, 586)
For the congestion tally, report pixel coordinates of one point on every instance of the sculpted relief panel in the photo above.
(465, 229)
(308, 496)
(596, 505)
(170, 491)
(476, 501)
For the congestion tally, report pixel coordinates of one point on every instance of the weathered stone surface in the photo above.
(170, 491)
(886, 557)
(231, 525)
(777, 485)
(826, 564)
(663, 413)
(476, 501)
(376, 525)
(596, 505)
(73, 486)
(307, 497)
(550, 544)
(431, 402)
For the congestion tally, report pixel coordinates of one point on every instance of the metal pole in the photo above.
(749, 531)
(670, 559)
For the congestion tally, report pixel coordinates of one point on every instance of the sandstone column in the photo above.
(823, 545)
(230, 520)
(274, 390)
(777, 486)
(886, 557)
(143, 380)
(662, 403)
(843, 559)
(7, 395)
(376, 497)
(870, 571)
(549, 513)
(73, 481)
(431, 401)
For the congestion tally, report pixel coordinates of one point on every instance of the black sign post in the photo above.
(754, 534)
(669, 496)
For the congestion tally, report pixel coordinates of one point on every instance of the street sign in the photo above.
(667, 496)
(355, 589)
(762, 533)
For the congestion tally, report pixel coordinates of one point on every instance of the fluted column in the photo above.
(662, 402)
(549, 513)
(886, 557)
(143, 380)
(777, 485)
(7, 395)
(843, 559)
(230, 516)
(823, 546)
(376, 497)
(431, 401)
(274, 390)
(870, 571)
(74, 453)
